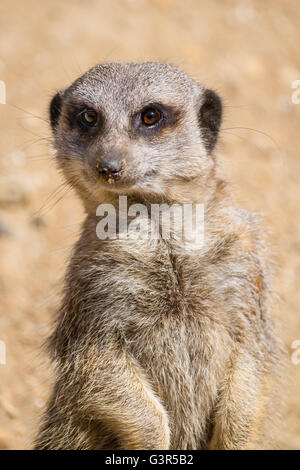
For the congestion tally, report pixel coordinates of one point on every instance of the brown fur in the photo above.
(158, 345)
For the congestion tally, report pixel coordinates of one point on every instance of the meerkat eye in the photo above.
(151, 116)
(89, 117)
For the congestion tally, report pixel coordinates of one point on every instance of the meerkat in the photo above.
(158, 344)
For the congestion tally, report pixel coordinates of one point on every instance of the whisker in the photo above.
(28, 112)
(235, 135)
(253, 130)
(49, 199)
(28, 144)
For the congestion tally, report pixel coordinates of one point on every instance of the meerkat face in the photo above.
(134, 127)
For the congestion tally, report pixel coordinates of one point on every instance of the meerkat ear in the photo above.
(210, 116)
(54, 109)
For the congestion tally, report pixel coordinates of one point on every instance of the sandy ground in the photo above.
(248, 51)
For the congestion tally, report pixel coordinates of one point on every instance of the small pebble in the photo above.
(38, 222)
(4, 230)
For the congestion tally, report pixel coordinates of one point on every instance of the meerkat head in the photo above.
(145, 128)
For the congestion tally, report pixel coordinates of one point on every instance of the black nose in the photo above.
(110, 167)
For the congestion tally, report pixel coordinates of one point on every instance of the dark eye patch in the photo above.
(163, 116)
(79, 115)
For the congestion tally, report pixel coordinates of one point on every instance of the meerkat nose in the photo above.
(110, 167)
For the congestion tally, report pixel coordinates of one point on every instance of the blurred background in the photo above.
(246, 50)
